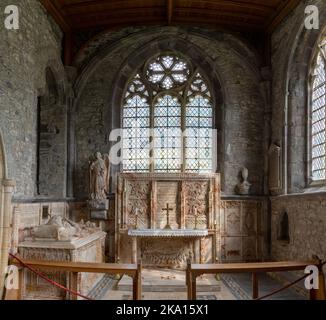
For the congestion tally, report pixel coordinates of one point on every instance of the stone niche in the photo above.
(194, 202)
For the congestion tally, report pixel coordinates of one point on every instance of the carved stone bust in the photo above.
(243, 187)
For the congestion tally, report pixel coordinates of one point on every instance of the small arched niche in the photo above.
(283, 229)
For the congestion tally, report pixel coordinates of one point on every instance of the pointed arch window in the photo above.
(167, 118)
(318, 117)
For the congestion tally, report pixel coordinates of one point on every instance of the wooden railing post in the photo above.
(188, 279)
(137, 283)
(320, 293)
(193, 279)
(73, 284)
(255, 289)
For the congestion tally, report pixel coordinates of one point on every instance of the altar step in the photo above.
(167, 280)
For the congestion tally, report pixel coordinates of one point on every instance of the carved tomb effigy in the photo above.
(167, 219)
(61, 240)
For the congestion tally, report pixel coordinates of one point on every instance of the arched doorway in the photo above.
(6, 189)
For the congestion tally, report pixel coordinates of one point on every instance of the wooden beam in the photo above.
(281, 13)
(56, 14)
(68, 47)
(169, 8)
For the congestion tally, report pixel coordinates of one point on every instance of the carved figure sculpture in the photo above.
(62, 229)
(99, 177)
(243, 187)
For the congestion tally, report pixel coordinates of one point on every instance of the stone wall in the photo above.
(105, 65)
(292, 50)
(24, 56)
(307, 223)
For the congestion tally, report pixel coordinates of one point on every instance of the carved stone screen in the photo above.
(193, 201)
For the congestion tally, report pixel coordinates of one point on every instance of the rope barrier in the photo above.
(288, 285)
(54, 283)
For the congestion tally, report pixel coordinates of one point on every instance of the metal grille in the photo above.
(165, 98)
(318, 119)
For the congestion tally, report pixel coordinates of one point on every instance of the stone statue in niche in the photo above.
(99, 186)
(274, 168)
(62, 229)
(243, 187)
(99, 177)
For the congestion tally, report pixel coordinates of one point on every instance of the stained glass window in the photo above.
(167, 118)
(318, 119)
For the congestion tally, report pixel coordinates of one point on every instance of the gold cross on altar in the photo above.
(167, 209)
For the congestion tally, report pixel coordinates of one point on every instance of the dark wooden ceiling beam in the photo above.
(281, 13)
(234, 5)
(57, 15)
(144, 20)
(169, 9)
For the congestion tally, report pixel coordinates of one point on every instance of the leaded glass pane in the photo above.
(167, 71)
(318, 121)
(161, 106)
(167, 139)
(198, 144)
(136, 123)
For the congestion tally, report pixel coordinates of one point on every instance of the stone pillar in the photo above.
(134, 250)
(6, 190)
(197, 250)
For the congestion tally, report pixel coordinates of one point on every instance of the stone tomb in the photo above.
(86, 247)
(166, 219)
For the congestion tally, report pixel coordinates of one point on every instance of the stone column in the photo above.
(134, 250)
(197, 250)
(6, 190)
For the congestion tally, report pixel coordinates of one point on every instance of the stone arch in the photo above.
(52, 133)
(296, 87)
(110, 64)
(3, 168)
(181, 47)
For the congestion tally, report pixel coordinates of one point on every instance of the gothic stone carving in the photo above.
(175, 253)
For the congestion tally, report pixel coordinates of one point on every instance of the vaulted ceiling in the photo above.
(245, 16)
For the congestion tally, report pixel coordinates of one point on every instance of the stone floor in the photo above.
(167, 284)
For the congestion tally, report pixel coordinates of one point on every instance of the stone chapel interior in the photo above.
(167, 131)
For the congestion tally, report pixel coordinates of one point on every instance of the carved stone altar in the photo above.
(141, 215)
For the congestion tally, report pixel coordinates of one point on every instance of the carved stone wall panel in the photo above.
(206, 249)
(167, 192)
(125, 246)
(232, 249)
(249, 249)
(138, 200)
(196, 195)
(241, 230)
(231, 219)
(249, 218)
(176, 252)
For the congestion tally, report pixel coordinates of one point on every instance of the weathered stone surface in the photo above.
(114, 59)
(24, 56)
(307, 223)
(292, 49)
